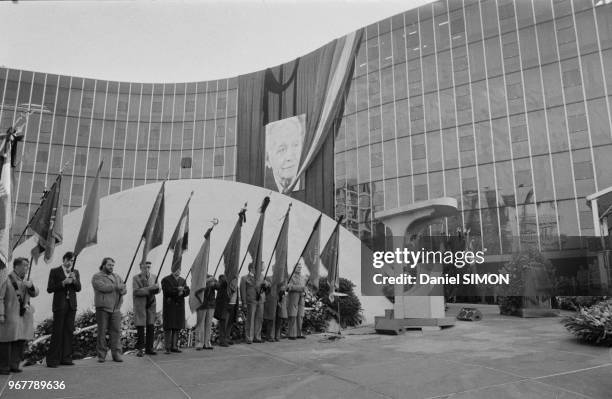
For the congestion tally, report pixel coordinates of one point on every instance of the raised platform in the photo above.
(388, 325)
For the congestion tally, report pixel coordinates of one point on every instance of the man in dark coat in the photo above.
(64, 283)
(175, 290)
(269, 313)
(144, 289)
(224, 312)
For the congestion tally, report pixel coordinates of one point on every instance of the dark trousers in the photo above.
(110, 322)
(279, 323)
(60, 347)
(11, 354)
(145, 341)
(171, 339)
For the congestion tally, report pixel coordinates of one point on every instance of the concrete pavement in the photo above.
(499, 357)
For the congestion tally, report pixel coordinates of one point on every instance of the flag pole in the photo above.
(30, 267)
(132, 262)
(214, 222)
(42, 201)
(140, 243)
(304, 249)
(168, 248)
(277, 241)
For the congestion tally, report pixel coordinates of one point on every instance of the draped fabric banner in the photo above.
(288, 117)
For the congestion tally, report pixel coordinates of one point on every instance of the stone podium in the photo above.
(410, 309)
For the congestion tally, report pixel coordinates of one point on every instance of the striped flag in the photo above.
(5, 209)
(180, 238)
(88, 234)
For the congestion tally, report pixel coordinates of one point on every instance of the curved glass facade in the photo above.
(503, 105)
(143, 132)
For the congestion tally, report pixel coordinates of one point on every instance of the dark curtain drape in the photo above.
(281, 92)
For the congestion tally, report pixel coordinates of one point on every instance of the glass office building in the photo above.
(503, 105)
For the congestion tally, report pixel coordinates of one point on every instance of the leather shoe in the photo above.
(167, 352)
(301, 337)
(53, 366)
(17, 370)
(140, 353)
(117, 359)
(224, 345)
(151, 352)
(292, 338)
(100, 360)
(257, 341)
(4, 372)
(67, 363)
(176, 350)
(230, 342)
(199, 348)
(208, 348)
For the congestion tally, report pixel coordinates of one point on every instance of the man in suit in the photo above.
(64, 283)
(252, 304)
(144, 290)
(295, 303)
(16, 316)
(224, 311)
(108, 298)
(175, 290)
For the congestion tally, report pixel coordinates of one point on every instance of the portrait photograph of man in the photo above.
(284, 142)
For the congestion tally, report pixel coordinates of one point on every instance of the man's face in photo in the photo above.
(284, 141)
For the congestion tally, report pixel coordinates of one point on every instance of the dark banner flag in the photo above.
(88, 234)
(153, 234)
(256, 243)
(231, 252)
(48, 223)
(280, 273)
(310, 255)
(329, 259)
(288, 119)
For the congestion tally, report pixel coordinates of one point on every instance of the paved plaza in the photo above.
(499, 357)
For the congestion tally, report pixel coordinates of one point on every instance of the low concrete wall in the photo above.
(122, 219)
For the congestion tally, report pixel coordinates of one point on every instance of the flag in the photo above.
(329, 259)
(256, 243)
(199, 271)
(48, 222)
(5, 208)
(310, 254)
(231, 252)
(179, 239)
(88, 234)
(280, 273)
(153, 234)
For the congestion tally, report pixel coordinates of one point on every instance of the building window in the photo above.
(186, 163)
(583, 170)
(117, 162)
(219, 159)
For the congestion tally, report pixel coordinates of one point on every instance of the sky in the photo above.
(175, 41)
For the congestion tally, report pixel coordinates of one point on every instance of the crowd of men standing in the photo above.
(268, 308)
